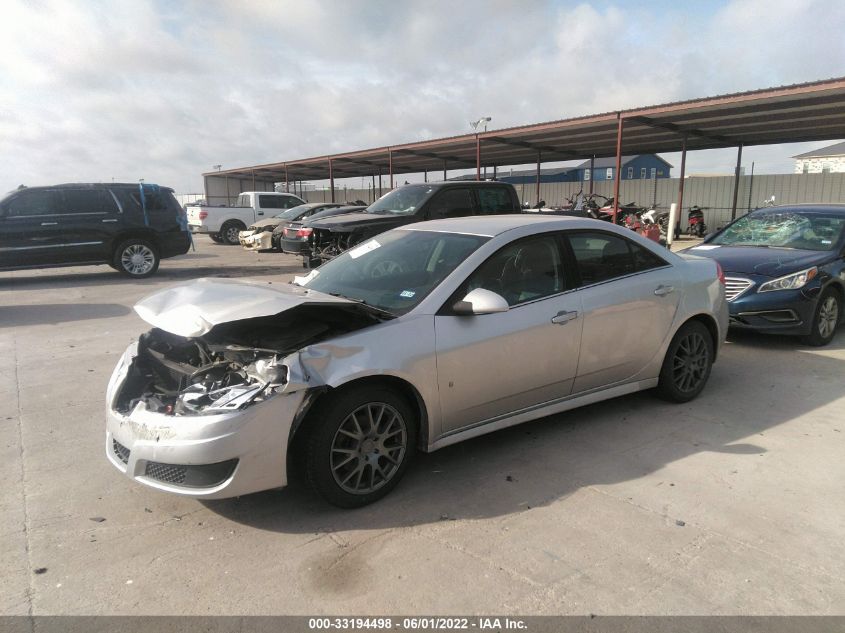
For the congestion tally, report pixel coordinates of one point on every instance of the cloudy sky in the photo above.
(91, 91)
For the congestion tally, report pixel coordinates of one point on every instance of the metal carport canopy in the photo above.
(812, 111)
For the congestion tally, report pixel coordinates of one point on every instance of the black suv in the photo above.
(411, 203)
(130, 227)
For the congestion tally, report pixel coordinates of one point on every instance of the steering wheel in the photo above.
(386, 267)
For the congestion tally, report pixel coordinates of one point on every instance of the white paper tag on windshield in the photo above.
(705, 247)
(356, 252)
(302, 280)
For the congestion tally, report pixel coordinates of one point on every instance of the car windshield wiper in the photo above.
(363, 303)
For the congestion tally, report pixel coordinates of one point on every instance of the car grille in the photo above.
(735, 286)
(168, 473)
(191, 476)
(120, 451)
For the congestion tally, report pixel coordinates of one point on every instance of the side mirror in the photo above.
(481, 301)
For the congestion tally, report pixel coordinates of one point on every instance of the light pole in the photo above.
(485, 120)
(217, 167)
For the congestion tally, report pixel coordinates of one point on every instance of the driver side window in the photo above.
(452, 203)
(525, 270)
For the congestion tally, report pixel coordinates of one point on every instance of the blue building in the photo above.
(642, 166)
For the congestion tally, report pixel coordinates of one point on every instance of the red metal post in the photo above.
(494, 173)
(374, 188)
(444, 170)
(618, 167)
(390, 165)
(379, 182)
(736, 181)
(477, 158)
(683, 172)
(592, 172)
(287, 183)
(331, 178)
(425, 176)
(538, 178)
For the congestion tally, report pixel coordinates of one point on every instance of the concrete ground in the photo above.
(731, 504)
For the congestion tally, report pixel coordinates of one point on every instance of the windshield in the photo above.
(395, 270)
(402, 201)
(788, 228)
(293, 213)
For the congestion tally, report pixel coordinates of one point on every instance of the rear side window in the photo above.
(32, 203)
(494, 200)
(80, 201)
(154, 201)
(452, 203)
(603, 256)
(277, 202)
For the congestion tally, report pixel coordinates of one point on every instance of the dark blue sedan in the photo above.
(784, 269)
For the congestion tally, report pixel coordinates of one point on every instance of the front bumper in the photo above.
(777, 312)
(253, 241)
(203, 456)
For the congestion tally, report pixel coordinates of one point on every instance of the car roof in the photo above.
(492, 225)
(89, 185)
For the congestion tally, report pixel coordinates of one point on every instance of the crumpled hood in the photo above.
(771, 262)
(267, 222)
(194, 308)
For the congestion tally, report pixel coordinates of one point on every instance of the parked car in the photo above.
(416, 339)
(785, 269)
(259, 235)
(291, 237)
(405, 205)
(222, 224)
(127, 226)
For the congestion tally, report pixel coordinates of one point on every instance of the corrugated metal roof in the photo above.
(837, 149)
(800, 112)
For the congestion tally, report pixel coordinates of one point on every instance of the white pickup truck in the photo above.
(222, 224)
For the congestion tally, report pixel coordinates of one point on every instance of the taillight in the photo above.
(304, 232)
(720, 274)
(203, 215)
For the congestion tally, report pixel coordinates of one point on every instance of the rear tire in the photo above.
(826, 317)
(687, 364)
(215, 237)
(360, 445)
(229, 232)
(136, 258)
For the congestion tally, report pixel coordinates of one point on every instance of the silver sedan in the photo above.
(424, 336)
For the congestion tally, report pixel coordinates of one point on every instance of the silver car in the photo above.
(419, 338)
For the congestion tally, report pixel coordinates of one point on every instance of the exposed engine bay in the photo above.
(325, 244)
(233, 365)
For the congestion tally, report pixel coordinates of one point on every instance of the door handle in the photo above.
(49, 223)
(111, 220)
(562, 318)
(260, 213)
(662, 291)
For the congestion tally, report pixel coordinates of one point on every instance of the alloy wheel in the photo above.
(232, 234)
(137, 259)
(689, 366)
(368, 448)
(828, 316)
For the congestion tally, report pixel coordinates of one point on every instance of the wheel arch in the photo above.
(712, 327)
(298, 430)
(135, 233)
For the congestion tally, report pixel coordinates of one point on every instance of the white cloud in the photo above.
(91, 91)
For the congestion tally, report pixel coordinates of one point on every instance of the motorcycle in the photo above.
(695, 222)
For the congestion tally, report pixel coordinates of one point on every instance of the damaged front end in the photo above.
(323, 245)
(229, 368)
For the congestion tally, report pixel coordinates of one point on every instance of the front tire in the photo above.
(687, 364)
(360, 446)
(136, 258)
(229, 232)
(215, 237)
(825, 319)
